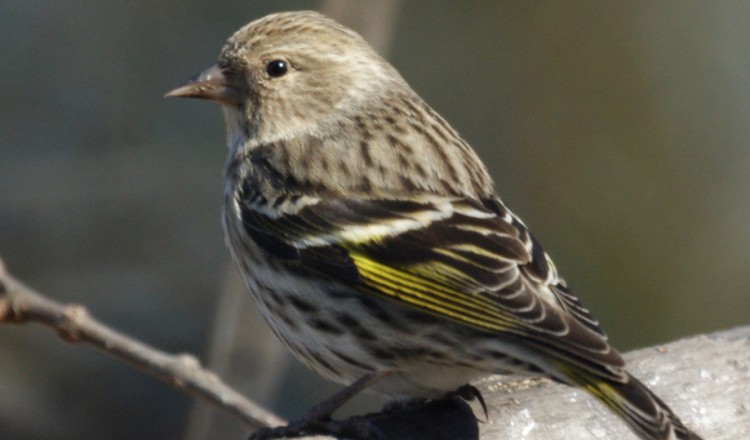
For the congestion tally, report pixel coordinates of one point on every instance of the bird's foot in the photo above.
(355, 428)
(397, 405)
(318, 418)
(469, 393)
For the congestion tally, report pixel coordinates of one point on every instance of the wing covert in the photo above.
(472, 263)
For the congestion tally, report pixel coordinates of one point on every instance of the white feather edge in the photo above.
(435, 211)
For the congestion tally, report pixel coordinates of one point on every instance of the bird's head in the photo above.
(291, 74)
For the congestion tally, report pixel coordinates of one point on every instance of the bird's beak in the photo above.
(210, 84)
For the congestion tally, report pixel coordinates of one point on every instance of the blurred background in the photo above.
(618, 130)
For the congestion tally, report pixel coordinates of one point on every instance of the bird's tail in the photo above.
(645, 413)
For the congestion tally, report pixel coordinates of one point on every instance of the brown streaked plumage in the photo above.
(370, 234)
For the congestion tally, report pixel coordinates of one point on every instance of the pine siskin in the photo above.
(370, 234)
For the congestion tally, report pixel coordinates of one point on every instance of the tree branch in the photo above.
(20, 304)
(704, 379)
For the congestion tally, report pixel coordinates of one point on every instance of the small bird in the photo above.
(370, 234)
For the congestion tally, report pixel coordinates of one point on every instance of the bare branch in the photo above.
(20, 304)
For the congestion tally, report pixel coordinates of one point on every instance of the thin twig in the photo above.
(20, 304)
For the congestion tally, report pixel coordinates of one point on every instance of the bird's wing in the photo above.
(471, 262)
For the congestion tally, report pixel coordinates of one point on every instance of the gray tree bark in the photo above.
(704, 379)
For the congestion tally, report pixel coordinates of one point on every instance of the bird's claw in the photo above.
(355, 428)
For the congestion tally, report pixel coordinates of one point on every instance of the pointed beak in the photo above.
(210, 84)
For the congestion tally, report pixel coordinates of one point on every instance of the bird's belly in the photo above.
(344, 333)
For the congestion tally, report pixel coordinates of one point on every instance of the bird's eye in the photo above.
(277, 68)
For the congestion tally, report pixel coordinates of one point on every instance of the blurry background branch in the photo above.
(374, 20)
(706, 380)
